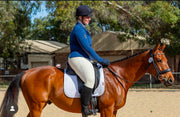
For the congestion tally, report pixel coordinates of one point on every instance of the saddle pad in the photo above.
(71, 85)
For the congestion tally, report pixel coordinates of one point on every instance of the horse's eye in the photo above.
(159, 61)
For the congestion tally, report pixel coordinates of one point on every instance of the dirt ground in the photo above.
(139, 103)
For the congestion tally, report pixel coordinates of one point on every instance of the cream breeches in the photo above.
(84, 69)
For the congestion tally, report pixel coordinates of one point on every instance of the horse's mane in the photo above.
(129, 56)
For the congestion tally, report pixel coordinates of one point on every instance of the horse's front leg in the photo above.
(108, 112)
(114, 113)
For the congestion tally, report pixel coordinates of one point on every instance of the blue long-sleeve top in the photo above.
(80, 43)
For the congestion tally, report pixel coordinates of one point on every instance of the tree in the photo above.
(15, 28)
(162, 19)
(157, 21)
(62, 18)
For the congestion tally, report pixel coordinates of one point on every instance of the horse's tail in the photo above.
(11, 96)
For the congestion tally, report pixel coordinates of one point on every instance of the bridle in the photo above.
(150, 60)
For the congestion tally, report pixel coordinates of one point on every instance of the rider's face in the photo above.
(86, 20)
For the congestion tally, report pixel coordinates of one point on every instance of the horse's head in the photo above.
(159, 67)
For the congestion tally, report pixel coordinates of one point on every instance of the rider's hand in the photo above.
(105, 62)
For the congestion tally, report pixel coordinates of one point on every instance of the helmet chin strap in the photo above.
(81, 20)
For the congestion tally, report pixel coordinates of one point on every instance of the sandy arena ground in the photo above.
(139, 103)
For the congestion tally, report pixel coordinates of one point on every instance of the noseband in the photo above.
(151, 60)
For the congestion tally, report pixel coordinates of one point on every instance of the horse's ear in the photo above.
(157, 47)
(162, 47)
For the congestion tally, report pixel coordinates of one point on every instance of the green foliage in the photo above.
(162, 19)
(155, 20)
(14, 26)
(62, 18)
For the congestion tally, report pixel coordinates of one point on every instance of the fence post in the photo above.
(150, 78)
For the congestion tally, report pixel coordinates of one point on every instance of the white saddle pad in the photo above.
(71, 85)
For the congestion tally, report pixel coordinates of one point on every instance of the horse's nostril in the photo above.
(170, 80)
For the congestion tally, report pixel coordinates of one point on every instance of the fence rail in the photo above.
(151, 81)
(7, 76)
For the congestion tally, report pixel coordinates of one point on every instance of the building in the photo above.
(41, 52)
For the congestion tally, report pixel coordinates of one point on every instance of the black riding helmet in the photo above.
(83, 10)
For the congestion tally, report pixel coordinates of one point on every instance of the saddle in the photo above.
(70, 71)
(80, 83)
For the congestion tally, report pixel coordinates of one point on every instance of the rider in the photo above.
(81, 55)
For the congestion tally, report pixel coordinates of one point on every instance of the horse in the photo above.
(44, 84)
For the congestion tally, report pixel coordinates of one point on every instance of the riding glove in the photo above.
(105, 62)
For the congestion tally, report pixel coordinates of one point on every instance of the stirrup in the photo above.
(94, 105)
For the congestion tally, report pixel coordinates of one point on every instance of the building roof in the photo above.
(41, 46)
(108, 41)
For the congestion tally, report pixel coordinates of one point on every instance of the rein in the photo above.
(151, 60)
(119, 76)
(116, 76)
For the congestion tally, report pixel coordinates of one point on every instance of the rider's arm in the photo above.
(83, 41)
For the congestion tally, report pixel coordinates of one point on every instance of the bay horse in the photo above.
(43, 84)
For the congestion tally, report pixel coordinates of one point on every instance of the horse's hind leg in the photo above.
(36, 109)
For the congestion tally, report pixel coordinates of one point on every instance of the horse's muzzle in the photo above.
(168, 81)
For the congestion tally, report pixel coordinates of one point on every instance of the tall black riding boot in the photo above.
(86, 94)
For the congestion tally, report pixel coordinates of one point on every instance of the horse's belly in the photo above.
(67, 104)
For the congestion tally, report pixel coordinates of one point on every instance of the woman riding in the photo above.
(81, 55)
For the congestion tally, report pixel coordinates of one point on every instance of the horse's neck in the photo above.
(133, 68)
